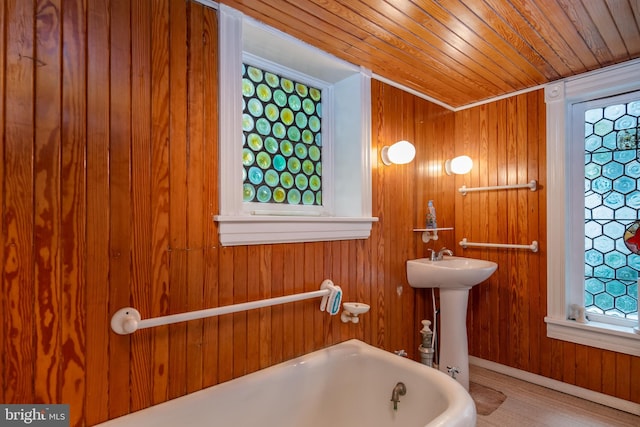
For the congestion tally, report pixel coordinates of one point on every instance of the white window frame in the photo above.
(560, 97)
(346, 180)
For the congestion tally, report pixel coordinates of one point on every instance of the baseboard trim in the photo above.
(583, 393)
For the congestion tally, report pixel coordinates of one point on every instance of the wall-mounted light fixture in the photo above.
(399, 153)
(458, 165)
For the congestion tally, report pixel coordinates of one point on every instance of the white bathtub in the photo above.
(348, 384)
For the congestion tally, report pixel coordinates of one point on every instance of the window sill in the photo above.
(253, 230)
(594, 334)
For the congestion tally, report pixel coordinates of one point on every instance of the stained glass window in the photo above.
(282, 139)
(612, 206)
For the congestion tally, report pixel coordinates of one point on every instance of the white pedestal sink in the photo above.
(454, 276)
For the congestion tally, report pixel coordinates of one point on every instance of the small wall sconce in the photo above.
(458, 165)
(399, 153)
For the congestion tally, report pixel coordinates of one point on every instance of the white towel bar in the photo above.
(533, 247)
(127, 320)
(532, 185)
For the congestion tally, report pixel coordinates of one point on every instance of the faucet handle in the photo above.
(453, 370)
(433, 255)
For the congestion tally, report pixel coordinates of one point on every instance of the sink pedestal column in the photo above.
(454, 276)
(454, 348)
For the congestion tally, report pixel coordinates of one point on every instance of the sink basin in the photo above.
(451, 272)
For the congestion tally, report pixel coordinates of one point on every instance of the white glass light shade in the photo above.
(399, 153)
(458, 165)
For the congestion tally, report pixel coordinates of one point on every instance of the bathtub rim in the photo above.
(460, 411)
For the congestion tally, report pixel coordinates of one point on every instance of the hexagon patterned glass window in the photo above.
(282, 139)
(612, 204)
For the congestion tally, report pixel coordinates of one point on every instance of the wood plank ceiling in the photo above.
(460, 52)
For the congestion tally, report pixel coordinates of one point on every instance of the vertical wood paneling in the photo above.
(178, 195)
(512, 215)
(263, 264)
(558, 358)
(251, 346)
(109, 185)
(363, 280)
(309, 310)
(501, 235)
(320, 318)
(608, 373)
(631, 375)
(299, 316)
(277, 288)
(288, 283)
(3, 318)
(120, 204)
(159, 196)
(344, 249)
(481, 219)
(376, 240)
(98, 214)
(466, 125)
(18, 216)
(141, 368)
(225, 323)
(534, 300)
(47, 203)
(517, 119)
(623, 371)
(492, 311)
(73, 206)
(210, 130)
(568, 372)
(435, 136)
(513, 324)
(544, 345)
(195, 185)
(594, 366)
(240, 323)
(582, 372)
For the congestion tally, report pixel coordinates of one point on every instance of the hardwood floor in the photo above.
(529, 405)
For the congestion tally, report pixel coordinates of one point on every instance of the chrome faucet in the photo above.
(444, 251)
(399, 390)
(437, 256)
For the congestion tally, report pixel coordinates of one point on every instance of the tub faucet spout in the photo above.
(399, 390)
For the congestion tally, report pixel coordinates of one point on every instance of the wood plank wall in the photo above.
(108, 182)
(506, 139)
